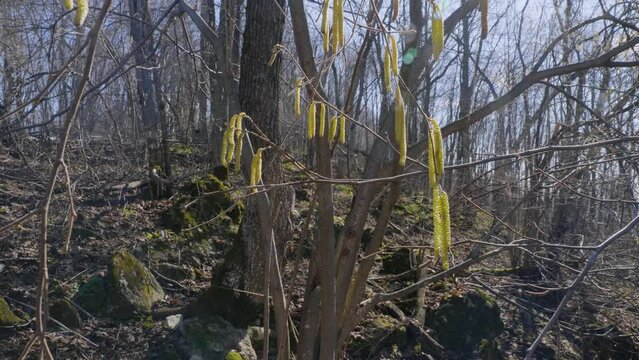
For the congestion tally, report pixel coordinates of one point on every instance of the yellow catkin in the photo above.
(400, 126)
(256, 169)
(332, 128)
(387, 70)
(395, 10)
(394, 55)
(81, 13)
(342, 129)
(483, 6)
(335, 33)
(230, 139)
(438, 143)
(438, 33)
(322, 118)
(67, 4)
(340, 24)
(325, 28)
(239, 142)
(311, 121)
(437, 223)
(444, 212)
(225, 147)
(432, 174)
(298, 97)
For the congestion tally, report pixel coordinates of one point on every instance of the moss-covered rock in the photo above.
(377, 337)
(127, 291)
(134, 288)
(92, 295)
(214, 338)
(201, 200)
(462, 322)
(397, 262)
(7, 317)
(66, 313)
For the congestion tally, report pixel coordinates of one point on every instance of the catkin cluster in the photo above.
(320, 129)
(81, 13)
(67, 4)
(391, 66)
(256, 169)
(441, 209)
(233, 141)
(437, 24)
(336, 38)
(400, 126)
(298, 96)
(441, 221)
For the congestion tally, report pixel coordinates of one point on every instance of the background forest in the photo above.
(308, 179)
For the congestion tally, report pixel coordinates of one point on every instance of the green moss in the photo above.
(135, 289)
(7, 317)
(461, 322)
(233, 355)
(182, 150)
(92, 296)
(128, 212)
(207, 198)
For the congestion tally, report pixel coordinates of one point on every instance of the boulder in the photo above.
(212, 338)
(66, 313)
(397, 262)
(465, 323)
(378, 337)
(127, 291)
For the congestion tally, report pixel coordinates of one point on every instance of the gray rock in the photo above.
(213, 338)
(134, 288)
(173, 321)
(65, 312)
(127, 291)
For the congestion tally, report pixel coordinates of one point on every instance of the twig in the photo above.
(589, 264)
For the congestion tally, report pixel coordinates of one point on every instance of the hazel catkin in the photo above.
(342, 129)
(310, 124)
(400, 126)
(332, 128)
(322, 119)
(437, 33)
(81, 13)
(256, 169)
(67, 4)
(298, 96)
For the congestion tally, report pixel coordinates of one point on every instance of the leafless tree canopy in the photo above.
(537, 104)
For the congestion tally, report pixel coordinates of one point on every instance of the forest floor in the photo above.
(113, 220)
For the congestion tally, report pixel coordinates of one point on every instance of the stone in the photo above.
(66, 313)
(466, 323)
(128, 290)
(212, 338)
(173, 321)
(134, 288)
(397, 262)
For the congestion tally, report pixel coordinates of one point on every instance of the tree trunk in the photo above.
(243, 267)
(147, 92)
